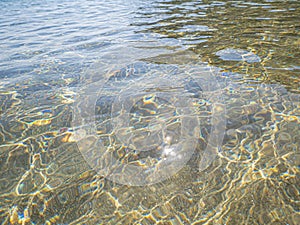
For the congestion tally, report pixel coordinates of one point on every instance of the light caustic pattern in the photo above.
(252, 179)
(139, 128)
(255, 170)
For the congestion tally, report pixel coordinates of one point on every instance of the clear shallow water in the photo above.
(52, 50)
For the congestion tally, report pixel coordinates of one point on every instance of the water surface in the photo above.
(52, 50)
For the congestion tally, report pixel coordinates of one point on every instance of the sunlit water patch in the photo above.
(153, 112)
